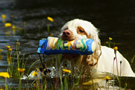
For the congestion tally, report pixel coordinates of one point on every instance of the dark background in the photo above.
(114, 18)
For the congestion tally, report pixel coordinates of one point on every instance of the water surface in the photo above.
(113, 18)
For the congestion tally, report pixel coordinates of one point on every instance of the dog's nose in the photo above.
(67, 33)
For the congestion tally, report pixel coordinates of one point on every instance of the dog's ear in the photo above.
(93, 59)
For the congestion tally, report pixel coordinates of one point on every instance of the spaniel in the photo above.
(103, 59)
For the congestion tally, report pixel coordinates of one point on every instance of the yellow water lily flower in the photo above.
(34, 73)
(1, 50)
(21, 69)
(110, 38)
(1, 89)
(8, 24)
(50, 19)
(115, 48)
(3, 16)
(4, 74)
(66, 70)
(107, 78)
(8, 47)
(13, 27)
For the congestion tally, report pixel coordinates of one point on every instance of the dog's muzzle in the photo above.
(67, 35)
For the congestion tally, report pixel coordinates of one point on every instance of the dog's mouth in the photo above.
(67, 38)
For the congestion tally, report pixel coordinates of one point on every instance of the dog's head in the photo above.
(80, 29)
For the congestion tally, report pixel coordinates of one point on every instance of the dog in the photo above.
(103, 59)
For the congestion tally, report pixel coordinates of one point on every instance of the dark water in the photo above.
(114, 19)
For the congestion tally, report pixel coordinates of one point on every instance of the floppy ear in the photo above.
(93, 59)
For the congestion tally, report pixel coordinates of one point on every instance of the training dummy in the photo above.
(54, 45)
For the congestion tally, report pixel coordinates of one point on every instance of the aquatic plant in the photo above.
(107, 78)
(48, 26)
(115, 59)
(1, 51)
(66, 70)
(34, 73)
(21, 70)
(3, 16)
(115, 48)
(109, 42)
(4, 74)
(8, 24)
(13, 29)
(50, 19)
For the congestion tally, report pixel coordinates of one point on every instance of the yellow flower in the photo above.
(1, 50)
(66, 70)
(4, 74)
(115, 48)
(3, 16)
(8, 24)
(8, 47)
(1, 89)
(110, 38)
(50, 19)
(13, 27)
(21, 69)
(34, 73)
(107, 78)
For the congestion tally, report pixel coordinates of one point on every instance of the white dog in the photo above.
(103, 57)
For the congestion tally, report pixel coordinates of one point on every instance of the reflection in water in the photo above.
(29, 24)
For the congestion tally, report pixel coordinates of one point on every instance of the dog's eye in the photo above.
(81, 31)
